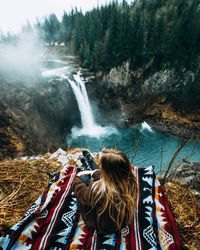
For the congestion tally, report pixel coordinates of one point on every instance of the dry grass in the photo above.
(186, 210)
(74, 150)
(21, 183)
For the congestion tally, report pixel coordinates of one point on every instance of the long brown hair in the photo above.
(116, 188)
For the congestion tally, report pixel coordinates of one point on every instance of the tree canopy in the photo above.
(162, 31)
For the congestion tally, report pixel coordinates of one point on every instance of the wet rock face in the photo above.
(56, 102)
(119, 76)
(4, 118)
(36, 118)
(167, 81)
(166, 97)
(6, 147)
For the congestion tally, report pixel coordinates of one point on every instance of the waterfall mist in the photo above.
(89, 126)
(21, 58)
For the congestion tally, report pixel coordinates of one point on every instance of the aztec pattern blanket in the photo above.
(54, 221)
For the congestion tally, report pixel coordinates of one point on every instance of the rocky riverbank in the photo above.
(127, 98)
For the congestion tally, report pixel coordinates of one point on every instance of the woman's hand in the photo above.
(86, 172)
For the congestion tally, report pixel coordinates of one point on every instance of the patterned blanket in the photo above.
(54, 221)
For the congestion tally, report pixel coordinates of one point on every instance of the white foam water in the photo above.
(89, 126)
(96, 131)
(146, 126)
(59, 72)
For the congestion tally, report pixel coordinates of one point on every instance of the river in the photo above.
(144, 145)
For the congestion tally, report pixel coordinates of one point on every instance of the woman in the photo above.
(108, 203)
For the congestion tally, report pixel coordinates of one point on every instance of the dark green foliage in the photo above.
(159, 31)
(51, 29)
(8, 38)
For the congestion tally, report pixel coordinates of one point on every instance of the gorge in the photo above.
(52, 116)
(125, 74)
(144, 69)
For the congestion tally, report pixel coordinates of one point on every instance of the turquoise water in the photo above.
(142, 147)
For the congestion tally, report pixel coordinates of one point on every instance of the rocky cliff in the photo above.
(35, 116)
(168, 99)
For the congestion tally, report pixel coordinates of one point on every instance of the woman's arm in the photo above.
(81, 190)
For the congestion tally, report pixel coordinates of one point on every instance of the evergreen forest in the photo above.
(159, 32)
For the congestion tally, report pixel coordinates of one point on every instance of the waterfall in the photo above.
(146, 126)
(89, 126)
(81, 95)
